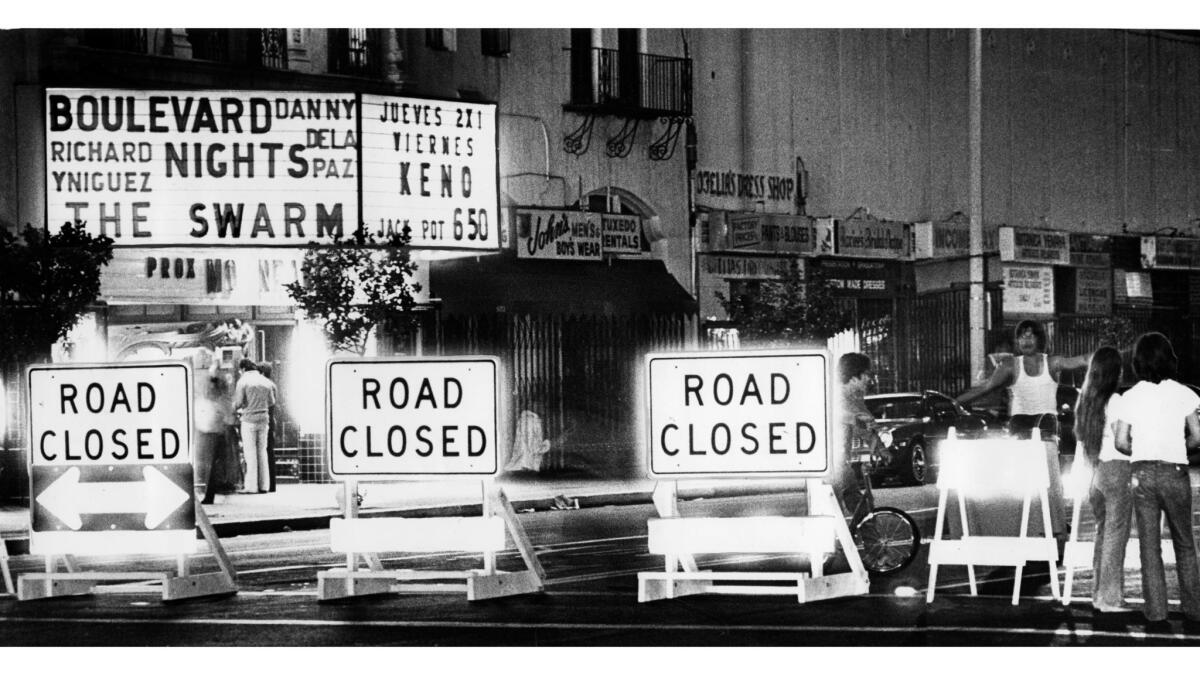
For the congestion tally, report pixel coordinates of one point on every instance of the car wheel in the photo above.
(917, 468)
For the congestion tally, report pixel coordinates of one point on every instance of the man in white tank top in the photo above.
(1032, 380)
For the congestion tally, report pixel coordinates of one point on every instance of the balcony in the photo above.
(356, 51)
(635, 85)
(263, 47)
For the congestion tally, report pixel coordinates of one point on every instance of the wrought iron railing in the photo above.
(209, 44)
(631, 83)
(265, 47)
(268, 47)
(355, 51)
(116, 39)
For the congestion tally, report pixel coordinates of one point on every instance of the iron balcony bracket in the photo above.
(663, 148)
(621, 144)
(577, 142)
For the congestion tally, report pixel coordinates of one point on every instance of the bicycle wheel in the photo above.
(888, 540)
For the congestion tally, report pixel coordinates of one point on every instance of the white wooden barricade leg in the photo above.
(679, 539)
(177, 584)
(365, 537)
(5, 572)
(967, 464)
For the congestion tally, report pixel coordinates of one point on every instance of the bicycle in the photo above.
(887, 538)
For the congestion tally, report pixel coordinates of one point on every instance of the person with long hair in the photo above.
(1150, 418)
(1032, 378)
(1109, 494)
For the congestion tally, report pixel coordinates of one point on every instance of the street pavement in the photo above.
(894, 613)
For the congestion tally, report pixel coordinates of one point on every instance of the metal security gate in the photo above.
(938, 328)
(578, 374)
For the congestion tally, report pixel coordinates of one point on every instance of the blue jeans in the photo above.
(1112, 504)
(1161, 488)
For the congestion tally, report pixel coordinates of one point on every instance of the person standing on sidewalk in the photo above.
(265, 368)
(1109, 494)
(1150, 418)
(212, 408)
(252, 399)
(1032, 378)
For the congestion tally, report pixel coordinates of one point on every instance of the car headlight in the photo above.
(886, 437)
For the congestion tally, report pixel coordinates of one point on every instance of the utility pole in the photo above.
(978, 319)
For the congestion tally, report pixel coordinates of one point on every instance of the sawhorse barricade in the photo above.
(680, 539)
(993, 467)
(5, 572)
(365, 537)
(177, 584)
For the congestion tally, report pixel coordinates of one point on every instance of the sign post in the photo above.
(409, 419)
(744, 414)
(110, 457)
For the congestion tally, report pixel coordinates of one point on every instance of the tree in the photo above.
(798, 308)
(47, 282)
(353, 285)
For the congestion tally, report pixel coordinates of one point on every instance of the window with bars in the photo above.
(496, 41)
(441, 39)
(265, 47)
(355, 51)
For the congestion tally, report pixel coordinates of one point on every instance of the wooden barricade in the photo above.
(177, 584)
(5, 572)
(993, 468)
(365, 538)
(680, 539)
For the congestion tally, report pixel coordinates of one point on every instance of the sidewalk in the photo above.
(309, 506)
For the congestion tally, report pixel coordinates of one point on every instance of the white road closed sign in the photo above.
(412, 417)
(111, 459)
(736, 414)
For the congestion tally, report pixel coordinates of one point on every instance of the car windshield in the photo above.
(896, 407)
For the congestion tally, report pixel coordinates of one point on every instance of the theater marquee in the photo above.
(269, 168)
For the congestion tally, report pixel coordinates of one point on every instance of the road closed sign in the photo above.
(718, 414)
(110, 458)
(412, 417)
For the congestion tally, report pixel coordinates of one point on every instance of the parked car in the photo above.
(913, 423)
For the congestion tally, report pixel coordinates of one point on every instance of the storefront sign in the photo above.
(433, 166)
(727, 189)
(717, 270)
(1093, 291)
(1170, 253)
(759, 232)
(1132, 287)
(1028, 289)
(1090, 250)
(211, 276)
(860, 278)
(823, 231)
(947, 239)
(872, 238)
(751, 413)
(412, 417)
(548, 234)
(621, 234)
(212, 168)
(1042, 247)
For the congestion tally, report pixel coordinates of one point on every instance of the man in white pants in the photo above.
(252, 399)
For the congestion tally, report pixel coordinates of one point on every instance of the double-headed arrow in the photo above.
(67, 498)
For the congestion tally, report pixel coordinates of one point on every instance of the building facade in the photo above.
(635, 173)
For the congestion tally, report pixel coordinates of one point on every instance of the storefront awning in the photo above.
(504, 283)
